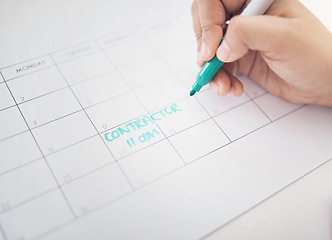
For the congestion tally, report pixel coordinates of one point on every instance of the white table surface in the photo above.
(302, 210)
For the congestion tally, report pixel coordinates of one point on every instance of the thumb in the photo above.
(259, 33)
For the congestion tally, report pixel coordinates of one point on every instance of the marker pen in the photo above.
(210, 68)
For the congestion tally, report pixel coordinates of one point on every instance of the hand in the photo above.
(288, 51)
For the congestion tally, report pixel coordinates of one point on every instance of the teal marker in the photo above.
(210, 68)
(205, 75)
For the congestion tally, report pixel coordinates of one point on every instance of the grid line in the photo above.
(178, 77)
(254, 102)
(147, 112)
(160, 22)
(3, 232)
(102, 132)
(99, 133)
(264, 200)
(35, 140)
(119, 159)
(86, 114)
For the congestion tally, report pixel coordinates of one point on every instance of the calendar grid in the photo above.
(14, 135)
(71, 145)
(128, 32)
(23, 165)
(48, 166)
(145, 107)
(108, 203)
(119, 198)
(230, 141)
(31, 199)
(93, 124)
(267, 199)
(43, 95)
(99, 133)
(14, 64)
(179, 100)
(56, 119)
(101, 167)
(6, 107)
(26, 74)
(105, 101)
(260, 109)
(194, 96)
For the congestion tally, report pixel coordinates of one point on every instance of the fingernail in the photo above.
(224, 52)
(214, 86)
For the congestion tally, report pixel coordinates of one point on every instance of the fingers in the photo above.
(225, 82)
(262, 33)
(209, 16)
(236, 87)
(197, 30)
(212, 16)
(221, 83)
(196, 24)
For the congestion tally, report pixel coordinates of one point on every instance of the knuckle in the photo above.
(198, 35)
(208, 27)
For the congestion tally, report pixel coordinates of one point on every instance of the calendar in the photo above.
(101, 140)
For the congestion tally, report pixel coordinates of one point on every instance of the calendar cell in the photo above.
(25, 183)
(145, 72)
(215, 104)
(151, 163)
(170, 36)
(275, 107)
(11, 122)
(85, 67)
(100, 89)
(75, 52)
(27, 151)
(180, 116)
(50, 107)
(242, 120)
(61, 133)
(27, 67)
(130, 52)
(6, 99)
(42, 82)
(96, 189)
(132, 136)
(189, 77)
(181, 59)
(159, 94)
(115, 111)
(36, 217)
(71, 163)
(119, 39)
(199, 140)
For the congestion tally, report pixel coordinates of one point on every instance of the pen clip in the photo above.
(225, 27)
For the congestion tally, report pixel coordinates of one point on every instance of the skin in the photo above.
(288, 51)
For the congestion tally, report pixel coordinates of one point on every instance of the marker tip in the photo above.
(192, 92)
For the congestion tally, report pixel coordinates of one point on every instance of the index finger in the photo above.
(212, 15)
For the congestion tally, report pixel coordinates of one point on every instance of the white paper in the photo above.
(99, 138)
